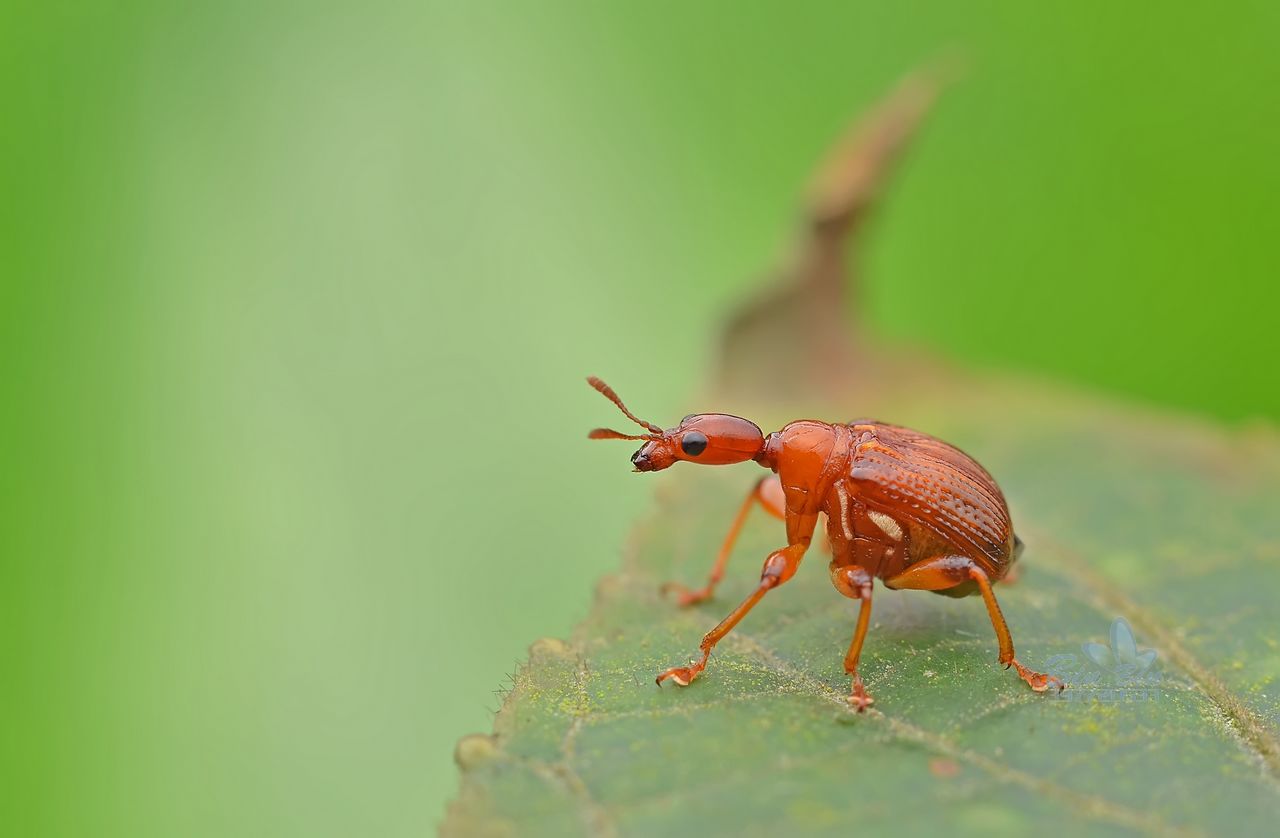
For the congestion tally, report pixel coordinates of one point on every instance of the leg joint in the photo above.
(853, 581)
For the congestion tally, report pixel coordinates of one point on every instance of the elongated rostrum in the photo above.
(901, 506)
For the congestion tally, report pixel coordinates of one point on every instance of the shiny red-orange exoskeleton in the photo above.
(901, 506)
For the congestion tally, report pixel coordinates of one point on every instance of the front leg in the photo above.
(768, 493)
(778, 568)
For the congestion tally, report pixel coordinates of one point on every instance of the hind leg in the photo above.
(943, 572)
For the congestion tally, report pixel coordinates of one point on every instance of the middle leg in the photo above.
(855, 583)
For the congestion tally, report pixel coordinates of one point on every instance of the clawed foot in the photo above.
(858, 698)
(683, 675)
(1036, 680)
(686, 596)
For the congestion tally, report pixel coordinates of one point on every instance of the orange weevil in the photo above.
(901, 506)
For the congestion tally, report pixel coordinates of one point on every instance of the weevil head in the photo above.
(713, 439)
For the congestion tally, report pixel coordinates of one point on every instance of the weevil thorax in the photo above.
(801, 453)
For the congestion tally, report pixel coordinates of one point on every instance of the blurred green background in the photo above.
(297, 300)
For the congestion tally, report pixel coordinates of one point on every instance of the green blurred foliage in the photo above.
(297, 298)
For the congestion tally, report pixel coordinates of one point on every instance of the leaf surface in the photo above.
(1168, 524)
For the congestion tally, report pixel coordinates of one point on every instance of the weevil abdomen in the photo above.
(935, 493)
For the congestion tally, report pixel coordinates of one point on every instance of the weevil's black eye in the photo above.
(693, 443)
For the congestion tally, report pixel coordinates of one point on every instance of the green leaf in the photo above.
(1166, 523)
(1170, 721)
